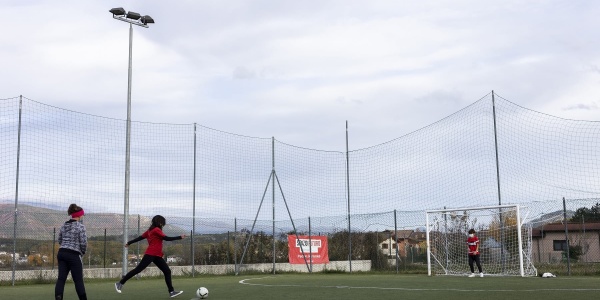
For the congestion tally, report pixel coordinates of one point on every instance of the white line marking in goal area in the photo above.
(245, 282)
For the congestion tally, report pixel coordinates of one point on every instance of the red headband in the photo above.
(77, 214)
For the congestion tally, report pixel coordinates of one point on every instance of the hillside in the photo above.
(39, 223)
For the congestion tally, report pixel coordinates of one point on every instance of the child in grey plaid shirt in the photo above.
(73, 244)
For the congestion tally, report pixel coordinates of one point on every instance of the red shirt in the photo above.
(473, 244)
(155, 241)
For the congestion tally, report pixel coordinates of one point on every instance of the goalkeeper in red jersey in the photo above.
(473, 244)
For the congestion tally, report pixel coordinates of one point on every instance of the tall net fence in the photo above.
(240, 198)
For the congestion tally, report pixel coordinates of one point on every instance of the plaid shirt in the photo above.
(72, 236)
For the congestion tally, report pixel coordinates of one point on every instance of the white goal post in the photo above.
(504, 241)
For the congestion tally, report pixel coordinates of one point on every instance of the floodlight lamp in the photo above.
(133, 15)
(146, 20)
(119, 11)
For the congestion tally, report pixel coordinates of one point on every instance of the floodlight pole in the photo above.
(127, 155)
(119, 14)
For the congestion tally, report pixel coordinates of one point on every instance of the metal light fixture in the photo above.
(119, 11)
(132, 18)
(146, 20)
(133, 15)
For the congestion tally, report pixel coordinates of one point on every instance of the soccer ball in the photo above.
(202, 293)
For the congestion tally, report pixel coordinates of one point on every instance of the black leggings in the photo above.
(474, 258)
(69, 261)
(145, 262)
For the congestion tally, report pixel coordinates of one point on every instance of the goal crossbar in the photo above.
(472, 208)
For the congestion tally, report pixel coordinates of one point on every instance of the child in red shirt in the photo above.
(473, 244)
(153, 254)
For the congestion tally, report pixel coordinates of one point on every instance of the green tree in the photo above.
(35, 260)
(338, 246)
(379, 261)
(587, 214)
(575, 251)
(364, 246)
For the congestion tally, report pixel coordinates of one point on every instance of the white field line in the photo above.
(246, 282)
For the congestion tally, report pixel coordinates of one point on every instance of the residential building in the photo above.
(549, 242)
(406, 243)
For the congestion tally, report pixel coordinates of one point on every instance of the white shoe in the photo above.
(118, 286)
(481, 274)
(472, 275)
(174, 294)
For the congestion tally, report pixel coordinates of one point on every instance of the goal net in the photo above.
(504, 241)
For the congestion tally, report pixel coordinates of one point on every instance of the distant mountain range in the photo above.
(42, 223)
(35, 222)
(39, 222)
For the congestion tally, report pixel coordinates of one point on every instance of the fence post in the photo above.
(53, 247)
(310, 246)
(14, 261)
(566, 236)
(137, 256)
(228, 246)
(194, 209)
(273, 195)
(503, 257)
(235, 266)
(104, 259)
(396, 242)
(137, 259)
(348, 196)
(192, 250)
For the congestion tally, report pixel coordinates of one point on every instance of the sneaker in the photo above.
(118, 286)
(481, 274)
(472, 275)
(174, 294)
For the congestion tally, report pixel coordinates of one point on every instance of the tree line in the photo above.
(209, 249)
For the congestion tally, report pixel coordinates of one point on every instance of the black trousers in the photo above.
(69, 261)
(474, 258)
(145, 262)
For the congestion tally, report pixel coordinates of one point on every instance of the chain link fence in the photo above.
(248, 246)
(241, 200)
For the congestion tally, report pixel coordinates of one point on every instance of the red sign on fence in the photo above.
(316, 245)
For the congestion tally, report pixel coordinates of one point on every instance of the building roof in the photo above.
(410, 235)
(560, 227)
(403, 233)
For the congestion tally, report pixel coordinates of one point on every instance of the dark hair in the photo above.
(158, 221)
(73, 208)
(472, 231)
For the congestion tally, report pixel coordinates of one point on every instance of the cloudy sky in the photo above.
(297, 70)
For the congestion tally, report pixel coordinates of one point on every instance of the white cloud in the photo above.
(317, 63)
